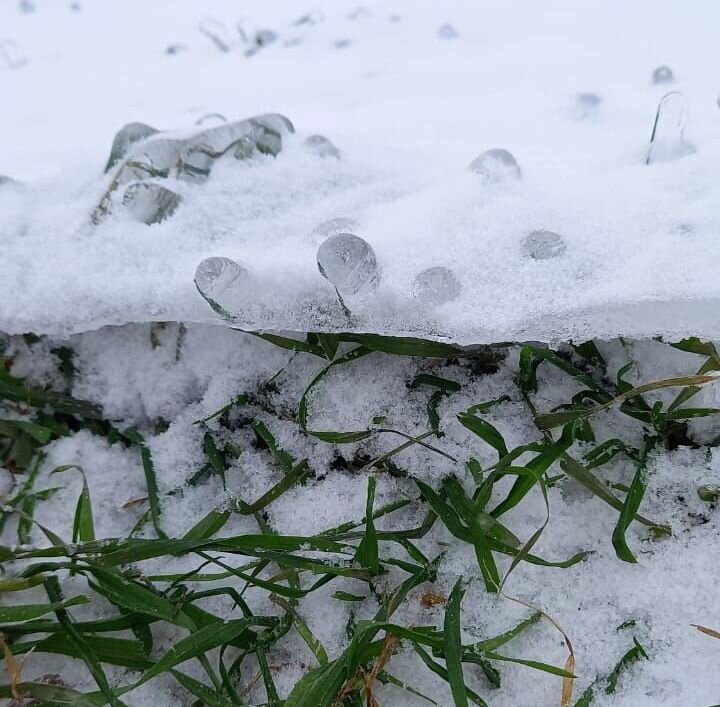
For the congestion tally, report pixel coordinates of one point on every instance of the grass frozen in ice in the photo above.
(235, 655)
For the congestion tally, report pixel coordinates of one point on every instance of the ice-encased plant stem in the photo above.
(435, 286)
(667, 141)
(150, 202)
(125, 138)
(496, 165)
(192, 158)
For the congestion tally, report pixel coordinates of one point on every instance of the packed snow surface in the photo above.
(410, 93)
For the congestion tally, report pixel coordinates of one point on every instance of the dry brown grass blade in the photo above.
(568, 683)
(14, 670)
(707, 631)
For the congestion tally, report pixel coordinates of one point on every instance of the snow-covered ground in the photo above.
(410, 92)
(409, 108)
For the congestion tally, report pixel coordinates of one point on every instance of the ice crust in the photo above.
(408, 113)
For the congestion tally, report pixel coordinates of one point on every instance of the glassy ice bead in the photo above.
(265, 37)
(334, 227)
(349, 263)
(447, 31)
(127, 136)
(496, 165)
(215, 275)
(663, 74)
(320, 145)
(667, 141)
(542, 245)
(436, 285)
(586, 104)
(149, 202)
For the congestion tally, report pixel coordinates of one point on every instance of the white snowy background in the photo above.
(409, 110)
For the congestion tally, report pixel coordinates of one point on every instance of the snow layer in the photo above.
(409, 108)
(673, 585)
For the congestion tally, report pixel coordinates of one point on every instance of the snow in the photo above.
(410, 93)
(672, 586)
(409, 105)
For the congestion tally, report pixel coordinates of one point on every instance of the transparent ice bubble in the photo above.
(663, 74)
(436, 285)
(543, 245)
(127, 136)
(320, 145)
(214, 276)
(149, 202)
(667, 141)
(265, 37)
(12, 54)
(447, 31)
(587, 104)
(349, 263)
(333, 227)
(496, 165)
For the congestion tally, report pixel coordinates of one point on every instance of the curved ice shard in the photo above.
(496, 165)
(149, 202)
(663, 74)
(436, 286)
(543, 245)
(349, 263)
(667, 141)
(320, 145)
(214, 277)
(125, 138)
(217, 33)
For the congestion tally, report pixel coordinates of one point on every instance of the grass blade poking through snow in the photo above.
(52, 587)
(83, 524)
(452, 644)
(367, 552)
(135, 438)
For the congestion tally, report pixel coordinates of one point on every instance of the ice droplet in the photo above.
(214, 276)
(667, 141)
(436, 285)
(496, 165)
(349, 263)
(127, 136)
(543, 245)
(663, 74)
(586, 104)
(321, 146)
(447, 31)
(149, 202)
